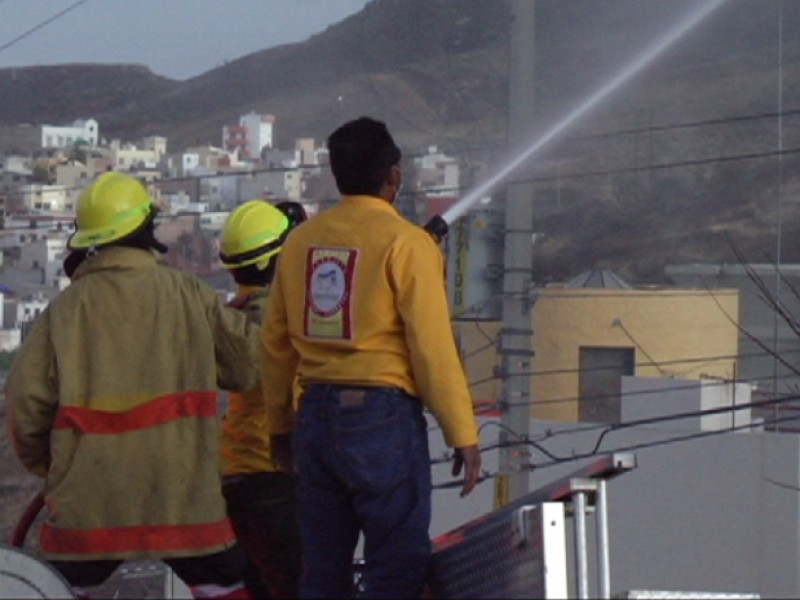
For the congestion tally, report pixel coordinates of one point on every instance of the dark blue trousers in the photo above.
(363, 466)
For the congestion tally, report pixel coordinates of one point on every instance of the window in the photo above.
(599, 384)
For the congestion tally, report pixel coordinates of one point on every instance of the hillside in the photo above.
(677, 161)
(61, 94)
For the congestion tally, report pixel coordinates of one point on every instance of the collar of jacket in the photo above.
(114, 258)
(371, 202)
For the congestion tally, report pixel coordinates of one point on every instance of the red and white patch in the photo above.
(330, 273)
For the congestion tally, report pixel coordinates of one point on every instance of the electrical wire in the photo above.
(558, 460)
(458, 189)
(523, 439)
(44, 23)
(639, 393)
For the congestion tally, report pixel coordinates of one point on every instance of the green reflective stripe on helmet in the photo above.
(143, 209)
(254, 242)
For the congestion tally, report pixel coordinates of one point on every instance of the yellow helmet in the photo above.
(252, 234)
(111, 208)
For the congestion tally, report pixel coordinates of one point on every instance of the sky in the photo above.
(178, 39)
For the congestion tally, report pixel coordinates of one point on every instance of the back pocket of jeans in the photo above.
(372, 448)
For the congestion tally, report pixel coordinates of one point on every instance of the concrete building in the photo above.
(81, 131)
(714, 404)
(208, 158)
(17, 171)
(765, 338)
(130, 157)
(26, 138)
(586, 339)
(10, 339)
(307, 155)
(438, 173)
(250, 137)
(213, 221)
(10, 334)
(74, 176)
(39, 198)
(705, 511)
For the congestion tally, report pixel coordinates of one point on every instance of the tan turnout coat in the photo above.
(113, 400)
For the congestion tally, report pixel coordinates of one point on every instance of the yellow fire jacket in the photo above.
(244, 440)
(359, 298)
(112, 398)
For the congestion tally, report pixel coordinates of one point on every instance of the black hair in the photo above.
(294, 211)
(362, 152)
(251, 274)
(73, 260)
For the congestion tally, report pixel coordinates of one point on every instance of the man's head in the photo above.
(364, 159)
(115, 210)
(252, 237)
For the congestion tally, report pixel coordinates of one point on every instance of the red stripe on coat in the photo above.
(137, 538)
(152, 413)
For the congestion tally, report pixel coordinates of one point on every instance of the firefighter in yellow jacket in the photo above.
(261, 498)
(113, 400)
(367, 331)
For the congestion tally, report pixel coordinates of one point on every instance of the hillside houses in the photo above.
(44, 168)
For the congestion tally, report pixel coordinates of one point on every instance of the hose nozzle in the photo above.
(437, 227)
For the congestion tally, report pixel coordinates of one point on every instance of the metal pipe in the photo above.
(581, 554)
(603, 549)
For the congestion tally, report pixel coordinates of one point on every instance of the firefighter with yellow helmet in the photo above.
(260, 496)
(112, 399)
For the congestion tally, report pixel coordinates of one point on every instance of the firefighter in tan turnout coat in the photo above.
(113, 401)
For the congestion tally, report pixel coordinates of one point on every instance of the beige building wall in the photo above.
(671, 333)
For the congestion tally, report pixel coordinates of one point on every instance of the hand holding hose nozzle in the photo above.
(437, 227)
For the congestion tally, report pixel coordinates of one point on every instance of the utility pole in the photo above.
(516, 335)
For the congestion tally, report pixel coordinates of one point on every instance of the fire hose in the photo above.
(26, 521)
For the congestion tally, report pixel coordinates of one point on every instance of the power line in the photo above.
(47, 21)
(677, 361)
(653, 391)
(689, 125)
(636, 393)
(458, 189)
(557, 460)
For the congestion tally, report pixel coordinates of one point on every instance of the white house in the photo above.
(64, 136)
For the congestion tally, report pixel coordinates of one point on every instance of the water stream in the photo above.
(646, 57)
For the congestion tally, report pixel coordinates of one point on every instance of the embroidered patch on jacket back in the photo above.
(330, 273)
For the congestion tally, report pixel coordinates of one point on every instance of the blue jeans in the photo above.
(363, 466)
